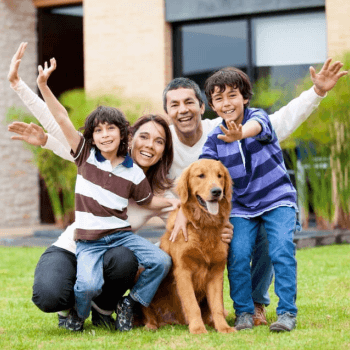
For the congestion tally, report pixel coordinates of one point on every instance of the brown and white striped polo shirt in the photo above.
(102, 193)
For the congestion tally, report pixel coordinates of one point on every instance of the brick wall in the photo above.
(338, 26)
(127, 44)
(19, 199)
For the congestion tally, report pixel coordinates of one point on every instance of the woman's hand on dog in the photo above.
(227, 233)
(180, 224)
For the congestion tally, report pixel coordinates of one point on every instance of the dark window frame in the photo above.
(177, 35)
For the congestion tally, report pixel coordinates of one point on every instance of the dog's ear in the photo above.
(228, 184)
(182, 187)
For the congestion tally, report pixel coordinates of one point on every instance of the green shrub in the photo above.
(328, 131)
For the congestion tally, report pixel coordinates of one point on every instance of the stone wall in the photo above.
(19, 184)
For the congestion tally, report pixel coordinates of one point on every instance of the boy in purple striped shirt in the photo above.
(263, 195)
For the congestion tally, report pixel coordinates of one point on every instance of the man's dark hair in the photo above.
(182, 83)
(228, 76)
(108, 115)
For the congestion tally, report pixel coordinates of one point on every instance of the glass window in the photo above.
(280, 47)
(289, 40)
(285, 46)
(211, 46)
(68, 11)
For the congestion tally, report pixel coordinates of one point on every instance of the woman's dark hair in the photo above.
(109, 115)
(157, 173)
(229, 76)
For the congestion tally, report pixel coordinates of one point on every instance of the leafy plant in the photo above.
(328, 130)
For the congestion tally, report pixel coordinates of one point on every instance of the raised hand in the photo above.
(232, 133)
(30, 133)
(13, 76)
(327, 77)
(44, 73)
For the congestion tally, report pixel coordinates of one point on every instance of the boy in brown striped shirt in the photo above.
(107, 178)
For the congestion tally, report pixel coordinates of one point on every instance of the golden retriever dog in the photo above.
(192, 293)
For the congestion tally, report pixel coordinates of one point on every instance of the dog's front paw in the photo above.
(150, 327)
(198, 329)
(227, 329)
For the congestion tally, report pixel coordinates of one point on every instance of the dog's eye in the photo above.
(202, 176)
(219, 176)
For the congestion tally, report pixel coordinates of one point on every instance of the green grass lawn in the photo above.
(323, 319)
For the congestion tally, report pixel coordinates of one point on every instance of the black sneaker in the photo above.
(100, 320)
(62, 321)
(74, 322)
(125, 315)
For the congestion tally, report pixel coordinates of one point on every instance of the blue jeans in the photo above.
(280, 224)
(261, 269)
(89, 281)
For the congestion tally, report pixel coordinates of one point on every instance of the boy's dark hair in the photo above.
(108, 115)
(182, 83)
(230, 76)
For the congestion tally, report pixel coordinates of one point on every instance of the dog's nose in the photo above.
(216, 191)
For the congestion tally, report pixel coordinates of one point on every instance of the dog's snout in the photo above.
(216, 191)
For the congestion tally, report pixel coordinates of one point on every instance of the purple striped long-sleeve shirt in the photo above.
(256, 166)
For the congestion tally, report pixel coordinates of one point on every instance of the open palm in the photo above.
(44, 73)
(12, 75)
(30, 133)
(327, 77)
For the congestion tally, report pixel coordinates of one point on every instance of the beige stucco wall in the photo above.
(19, 190)
(338, 26)
(127, 44)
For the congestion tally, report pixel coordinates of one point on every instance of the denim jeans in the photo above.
(280, 224)
(261, 269)
(89, 281)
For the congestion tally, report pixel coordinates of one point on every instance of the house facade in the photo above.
(139, 46)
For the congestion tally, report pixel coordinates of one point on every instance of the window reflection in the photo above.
(285, 46)
(211, 46)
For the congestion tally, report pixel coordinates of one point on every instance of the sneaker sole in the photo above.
(242, 328)
(280, 328)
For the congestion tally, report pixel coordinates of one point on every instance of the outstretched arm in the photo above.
(286, 120)
(35, 135)
(58, 111)
(158, 203)
(37, 106)
(238, 132)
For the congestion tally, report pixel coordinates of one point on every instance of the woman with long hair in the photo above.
(151, 148)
